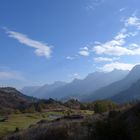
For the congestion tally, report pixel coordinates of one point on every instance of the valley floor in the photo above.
(19, 122)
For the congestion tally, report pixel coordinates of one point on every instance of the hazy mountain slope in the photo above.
(116, 87)
(91, 83)
(46, 90)
(29, 90)
(131, 94)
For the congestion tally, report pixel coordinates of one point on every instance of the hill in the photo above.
(10, 98)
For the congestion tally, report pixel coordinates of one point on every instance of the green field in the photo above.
(23, 121)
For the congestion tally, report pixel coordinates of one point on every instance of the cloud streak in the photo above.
(133, 21)
(117, 46)
(41, 49)
(93, 4)
(74, 75)
(105, 59)
(69, 57)
(84, 51)
(116, 65)
(122, 9)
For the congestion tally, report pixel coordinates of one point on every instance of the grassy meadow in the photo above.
(24, 120)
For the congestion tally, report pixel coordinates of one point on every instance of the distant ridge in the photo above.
(116, 87)
(44, 91)
(129, 95)
(78, 88)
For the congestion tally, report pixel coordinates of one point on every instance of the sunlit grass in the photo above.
(22, 121)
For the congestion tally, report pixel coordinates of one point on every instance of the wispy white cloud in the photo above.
(105, 59)
(122, 9)
(84, 51)
(133, 46)
(84, 48)
(74, 75)
(113, 47)
(133, 21)
(69, 57)
(117, 46)
(41, 49)
(93, 4)
(116, 65)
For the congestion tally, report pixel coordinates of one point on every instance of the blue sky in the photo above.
(42, 41)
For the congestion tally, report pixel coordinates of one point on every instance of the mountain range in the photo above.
(117, 88)
(117, 85)
(78, 88)
(44, 91)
